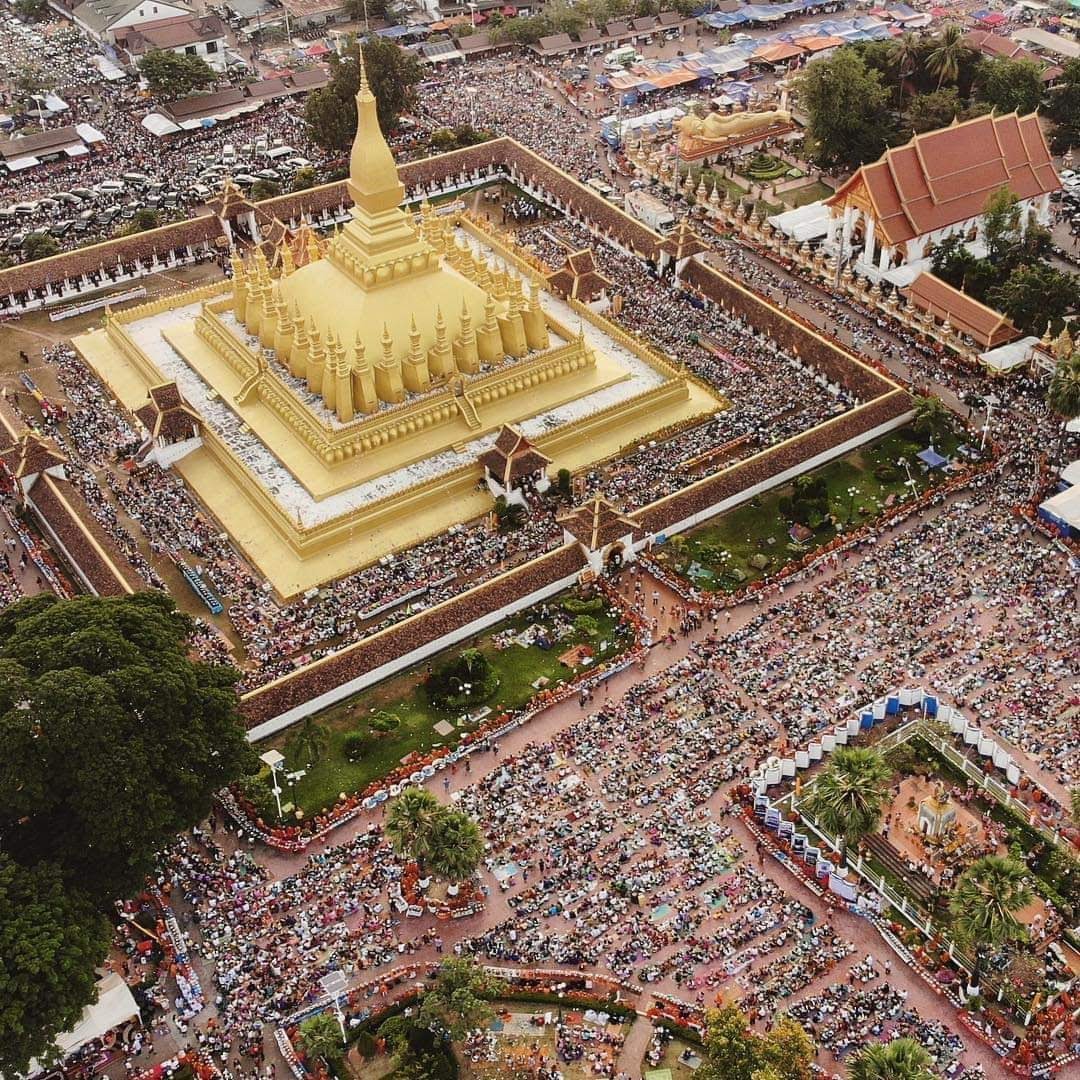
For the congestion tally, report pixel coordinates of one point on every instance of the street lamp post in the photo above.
(333, 985)
(991, 401)
(910, 482)
(273, 760)
(852, 493)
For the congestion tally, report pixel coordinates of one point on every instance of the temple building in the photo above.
(350, 392)
(886, 219)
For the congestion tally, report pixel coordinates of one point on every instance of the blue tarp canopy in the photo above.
(931, 458)
(401, 31)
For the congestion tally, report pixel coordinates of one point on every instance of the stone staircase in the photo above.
(468, 410)
(885, 854)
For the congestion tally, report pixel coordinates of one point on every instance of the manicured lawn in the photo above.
(403, 696)
(813, 192)
(717, 556)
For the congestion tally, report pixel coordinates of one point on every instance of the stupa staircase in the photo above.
(468, 410)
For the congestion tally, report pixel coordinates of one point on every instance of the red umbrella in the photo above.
(318, 49)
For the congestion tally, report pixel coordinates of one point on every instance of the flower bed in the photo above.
(418, 768)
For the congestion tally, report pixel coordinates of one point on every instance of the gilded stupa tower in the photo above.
(380, 303)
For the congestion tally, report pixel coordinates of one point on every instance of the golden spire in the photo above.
(387, 345)
(373, 179)
(359, 361)
(415, 352)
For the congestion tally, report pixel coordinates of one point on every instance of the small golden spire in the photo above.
(387, 344)
(359, 356)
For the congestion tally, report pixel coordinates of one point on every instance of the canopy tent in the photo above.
(778, 52)
(1063, 510)
(110, 72)
(1006, 357)
(931, 458)
(114, 1006)
(20, 163)
(807, 222)
(1071, 473)
(159, 125)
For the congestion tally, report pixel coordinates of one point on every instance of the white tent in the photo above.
(1006, 357)
(803, 223)
(1063, 508)
(1071, 473)
(159, 125)
(114, 1006)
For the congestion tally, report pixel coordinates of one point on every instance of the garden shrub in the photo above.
(444, 687)
(355, 745)
(576, 606)
(886, 473)
(384, 721)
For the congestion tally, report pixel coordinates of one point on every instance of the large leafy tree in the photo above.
(932, 418)
(901, 1059)
(848, 798)
(114, 738)
(846, 106)
(459, 999)
(393, 73)
(734, 1051)
(1063, 107)
(1036, 294)
(984, 905)
(1001, 221)
(1009, 85)
(938, 109)
(51, 938)
(175, 74)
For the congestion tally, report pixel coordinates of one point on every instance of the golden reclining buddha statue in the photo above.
(700, 134)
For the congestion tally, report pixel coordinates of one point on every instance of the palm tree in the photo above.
(411, 821)
(945, 58)
(904, 56)
(456, 847)
(901, 1059)
(308, 744)
(849, 796)
(1063, 393)
(984, 904)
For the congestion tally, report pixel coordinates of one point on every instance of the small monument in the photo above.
(937, 815)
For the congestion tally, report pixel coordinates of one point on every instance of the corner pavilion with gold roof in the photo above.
(347, 387)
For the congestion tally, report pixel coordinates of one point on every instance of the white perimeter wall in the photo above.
(391, 667)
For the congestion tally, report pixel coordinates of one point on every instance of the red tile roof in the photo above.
(598, 523)
(513, 457)
(984, 325)
(944, 177)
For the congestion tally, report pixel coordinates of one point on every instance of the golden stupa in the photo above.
(384, 313)
(348, 385)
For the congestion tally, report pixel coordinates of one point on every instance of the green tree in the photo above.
(938, 109)
(1063, 107)
(456, 846)
(303, 178)
(330, 112)
(263, 189)
(411, 820)
(904, 60)
(1001, 222)
(114, 738)
(40, 246)
(1037, 294)
(308, 744)
(932, 418)
(509, 515)
(1063, 397)
(1008, 85)
(51, 938)
(984, 904)
(948, 55)
(175, 74)
(901, 1059)
(734, 1051)
(846, 106)
(143, 220)
(587, 626)
(321, 1038)
(32, 10)
(849, 796)
(459, 999)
